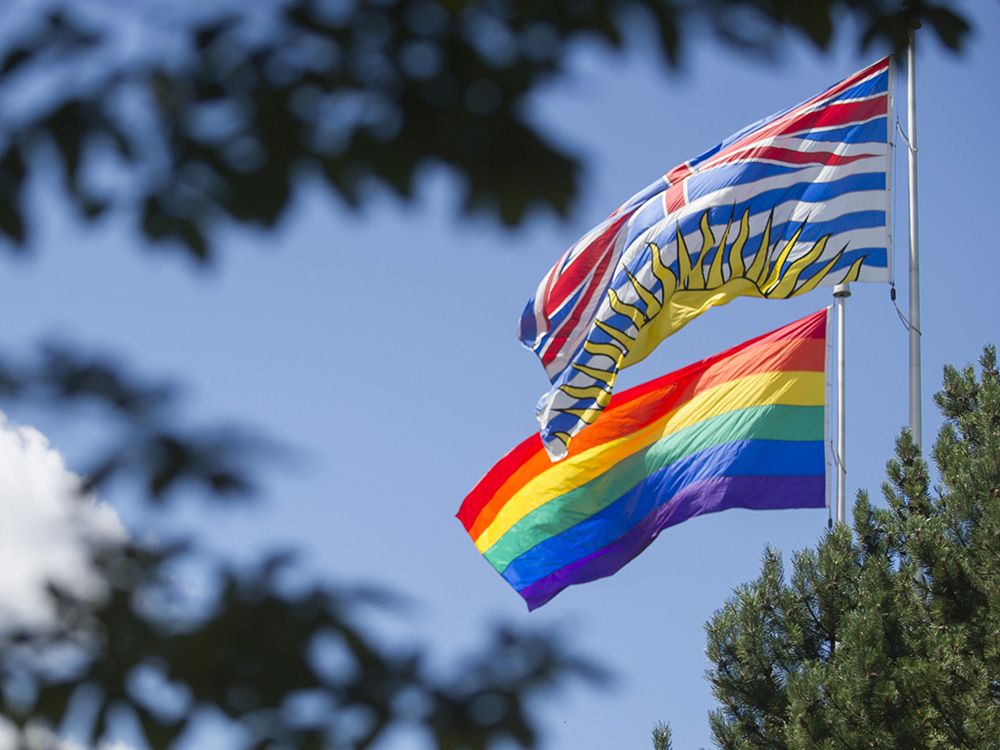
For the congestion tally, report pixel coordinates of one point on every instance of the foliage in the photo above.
(289, 670)
(285, 667)
(662, 736)
(179, 120)
(888, 638)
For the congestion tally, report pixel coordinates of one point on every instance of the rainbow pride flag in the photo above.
(742, 429)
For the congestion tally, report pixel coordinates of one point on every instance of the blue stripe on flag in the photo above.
(727, 175)
(527, 332)
(803, 192)
(877, 85)
(812, 232)
(874, 131)
(568, 306)
(875, 257)
(742, 458)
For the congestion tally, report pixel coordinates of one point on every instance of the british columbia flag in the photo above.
(797, 200)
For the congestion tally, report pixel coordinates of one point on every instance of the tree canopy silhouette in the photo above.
(181, 119)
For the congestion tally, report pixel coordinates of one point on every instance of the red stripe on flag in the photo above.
(678, 173)
(833, 115)
(489, 484)
(791, 156)
(861, 75)
(673, 198)
(558, 338)
(571, 277)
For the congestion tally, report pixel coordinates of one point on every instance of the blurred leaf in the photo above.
(13, 58)
(11, 223)
(466, 111)
(952, 29)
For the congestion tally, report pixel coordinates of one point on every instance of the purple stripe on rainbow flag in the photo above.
(709, 496)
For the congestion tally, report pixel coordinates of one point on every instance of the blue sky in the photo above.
(379, 346)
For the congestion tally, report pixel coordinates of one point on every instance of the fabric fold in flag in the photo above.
(742, 429)
(795, 201)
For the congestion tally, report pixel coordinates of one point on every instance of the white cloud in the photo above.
(45, 528)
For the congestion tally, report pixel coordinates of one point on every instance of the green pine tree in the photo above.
(662, 736)
(888, 637)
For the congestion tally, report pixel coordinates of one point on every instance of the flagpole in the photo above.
(911, 138)
(840, 293)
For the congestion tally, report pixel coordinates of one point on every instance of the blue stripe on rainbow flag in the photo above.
(744, 458)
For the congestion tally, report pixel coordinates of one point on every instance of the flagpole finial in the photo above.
(915, 21)
(842, 291)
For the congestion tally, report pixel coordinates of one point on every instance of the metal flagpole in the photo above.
(911, 137)
(840, 293)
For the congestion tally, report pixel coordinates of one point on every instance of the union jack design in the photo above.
(794, 201)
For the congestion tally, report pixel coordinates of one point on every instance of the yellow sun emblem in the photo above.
(686, 293)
